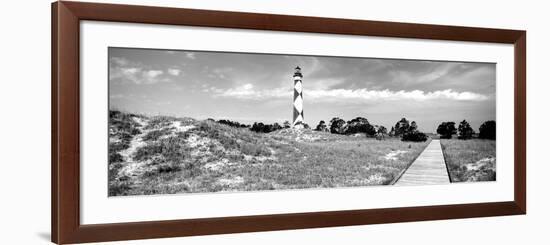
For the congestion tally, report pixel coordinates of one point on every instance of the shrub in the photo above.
(115, 149)
(168, 168)
(338, 126)
(414, 136)
(123, 122)
(401, 127)
(119, 146)
(156, 134)
(159, 122)
(119, 188)
(321, 126)
(446, 130)
(147, 151)
(254, 149)
(265, 128)
(488, 130)
(113, 171)
(286, 124)
(115, 157)
(392, 132)
(232, 123)
(465, 131)
(413, 126)
(135, 131)
(243, 140)
(360, 125)
(192, 168)
(382, 130)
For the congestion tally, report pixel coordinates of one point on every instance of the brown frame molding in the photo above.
(65, 158)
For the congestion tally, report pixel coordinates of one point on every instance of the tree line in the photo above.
(487, 130)
(258, 127)
(405, 129)
(359, 125)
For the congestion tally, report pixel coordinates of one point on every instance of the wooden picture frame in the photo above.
(65, 163)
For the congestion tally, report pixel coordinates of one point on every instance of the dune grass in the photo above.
(213, 157)
(470, 160)
(339, 163)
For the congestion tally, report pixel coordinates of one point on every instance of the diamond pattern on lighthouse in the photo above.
(298, 110)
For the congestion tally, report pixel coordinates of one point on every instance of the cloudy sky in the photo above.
(258, 87)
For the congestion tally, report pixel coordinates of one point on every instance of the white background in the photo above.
(97, 208)
(25, 137)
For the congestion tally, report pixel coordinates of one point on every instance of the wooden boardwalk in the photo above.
(428, 169)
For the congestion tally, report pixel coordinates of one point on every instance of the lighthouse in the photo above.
(298, 111)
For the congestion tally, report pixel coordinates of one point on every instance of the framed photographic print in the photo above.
(177, 122)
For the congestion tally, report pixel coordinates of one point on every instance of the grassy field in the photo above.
(163, 155)
(470, 160)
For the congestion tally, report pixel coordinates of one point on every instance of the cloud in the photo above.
(221, 73)
(119, 61)
(130, 70)
(122, 70)
(136, 75)
(417, 95)
(247, 92)
(153, 73)
(174, 72)
(190, 55)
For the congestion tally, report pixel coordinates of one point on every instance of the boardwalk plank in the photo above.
(428, 169)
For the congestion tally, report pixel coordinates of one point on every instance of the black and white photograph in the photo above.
(275, 122)
(191, 121)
